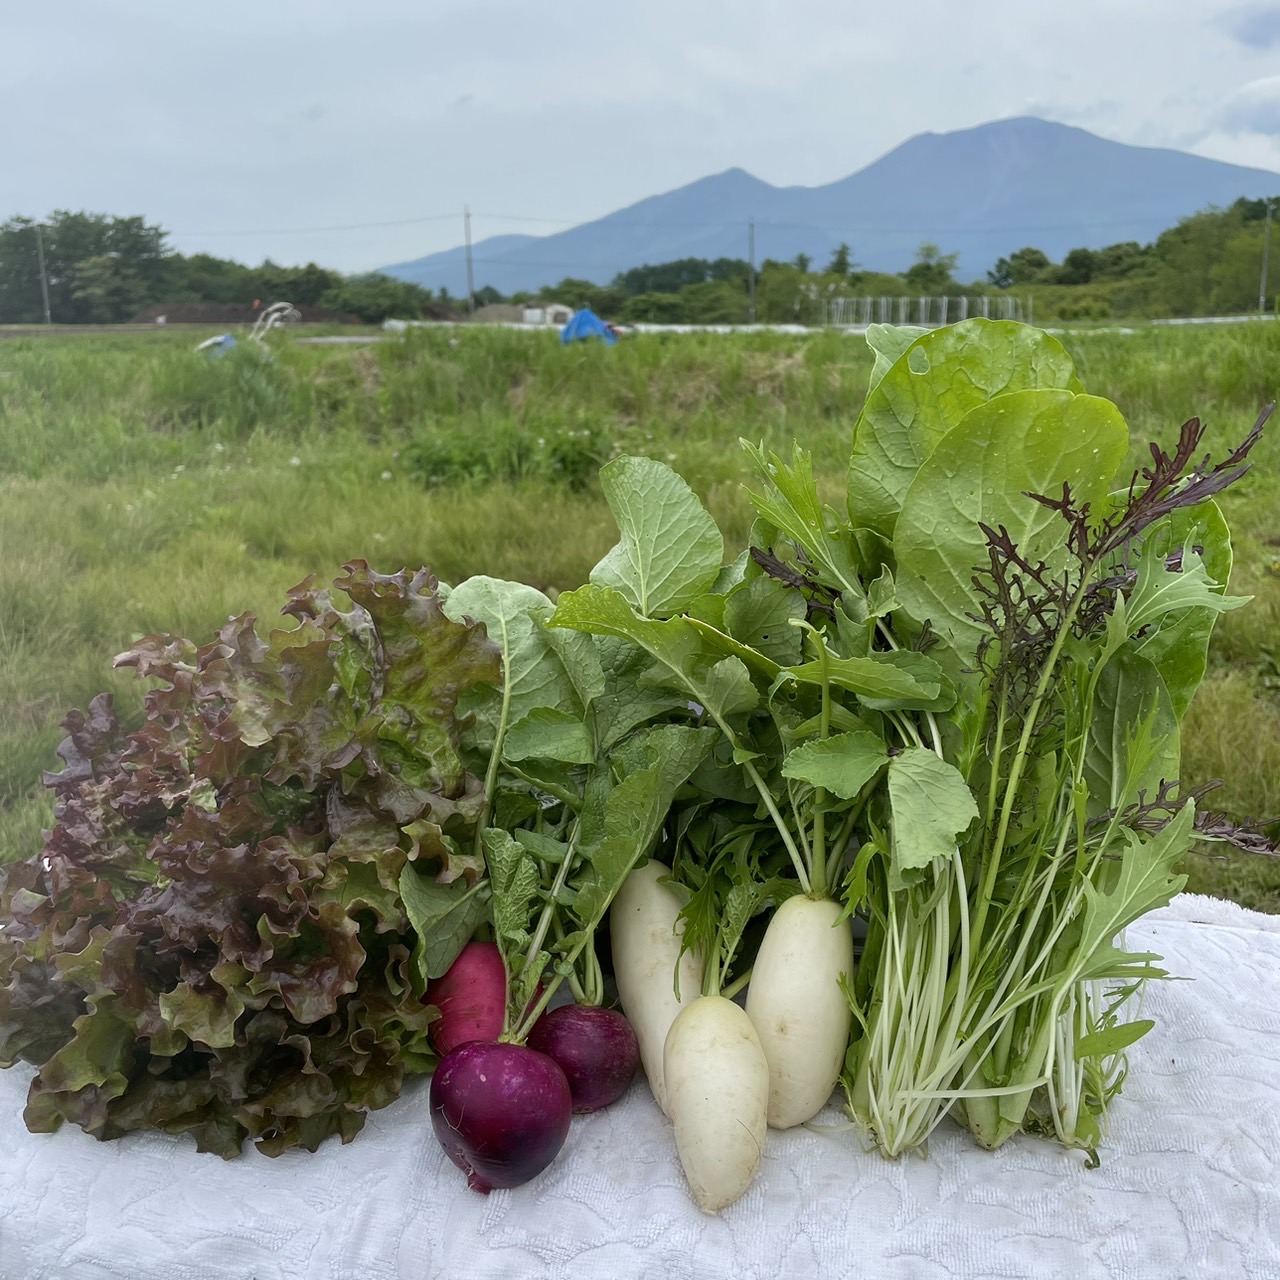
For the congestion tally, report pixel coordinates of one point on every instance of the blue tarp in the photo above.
(217, 346)
(586, 324)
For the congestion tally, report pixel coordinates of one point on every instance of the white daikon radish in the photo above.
(797, 1007)
(646, 938)
(717, 1083)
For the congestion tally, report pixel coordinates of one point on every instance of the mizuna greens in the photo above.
(1073, 621)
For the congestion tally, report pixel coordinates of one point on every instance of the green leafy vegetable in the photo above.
(671, 550)
(213, 939)
(931, 385)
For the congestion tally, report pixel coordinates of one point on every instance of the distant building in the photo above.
(552, 314)
(555, 314)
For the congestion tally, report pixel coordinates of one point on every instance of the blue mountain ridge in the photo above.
(981, 193)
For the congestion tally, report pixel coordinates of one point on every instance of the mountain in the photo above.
(980, 193)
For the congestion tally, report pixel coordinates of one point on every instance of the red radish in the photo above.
(595, 1048)
(500, 1111)
(471, 997)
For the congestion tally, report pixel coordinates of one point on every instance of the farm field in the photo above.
(146, 489)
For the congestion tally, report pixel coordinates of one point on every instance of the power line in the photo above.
(714, 224)
(304, 231)
(852, 228)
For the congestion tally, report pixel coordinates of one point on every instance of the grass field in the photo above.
(144, 488)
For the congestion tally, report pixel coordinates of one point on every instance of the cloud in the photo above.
(1255, 26)
(1253, 108)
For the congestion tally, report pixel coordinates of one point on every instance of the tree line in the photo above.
(105, 269)
(101, 269)
(1208, 264)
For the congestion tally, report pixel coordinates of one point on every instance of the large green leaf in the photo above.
(843, 764)
(931, 806)
(761, 614)
(898, 679)
(723, 687)
(983, 471)
(1132, 742)
(670, 550)
(939, 378)
(443, 916)
(533, 670)
(548, 734)
(1178, 644)
(634, 811)
(632, 687)
(888, 341)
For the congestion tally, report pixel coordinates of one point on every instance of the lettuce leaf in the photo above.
(212, 939)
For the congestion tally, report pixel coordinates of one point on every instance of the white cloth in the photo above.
(1187, 1187)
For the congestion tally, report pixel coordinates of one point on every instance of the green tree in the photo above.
(1078, 267)
(1188, 278)
(204, 278)
(656, 308)
(1123, 260)
(841, 261)
(20, 300)
(303, 286)
(1236, 273)
(932, 270)
(671, 277)
(374, 297)
(716, 302)
(100, 268)
(787, 295)
(605, 300)
(802, 262)
(1024, 266)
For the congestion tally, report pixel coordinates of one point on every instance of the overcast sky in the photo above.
(286, 128)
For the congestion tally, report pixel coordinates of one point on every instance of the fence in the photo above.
(926, 312)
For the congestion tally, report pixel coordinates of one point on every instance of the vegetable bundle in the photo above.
(945, 711)
(957, 700)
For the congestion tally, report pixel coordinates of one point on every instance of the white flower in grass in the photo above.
(386, 475)
(295, 461)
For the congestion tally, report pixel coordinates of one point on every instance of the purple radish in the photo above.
(595, 1048)
(471, 997)
(500, 1111)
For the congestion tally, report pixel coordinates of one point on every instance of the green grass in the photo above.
(146, 489)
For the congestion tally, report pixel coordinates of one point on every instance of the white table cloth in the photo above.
(1188, 1185)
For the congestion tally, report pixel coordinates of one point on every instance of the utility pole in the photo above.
(1266, 253)
(471, 295)
(44, 277)
(751, 279)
